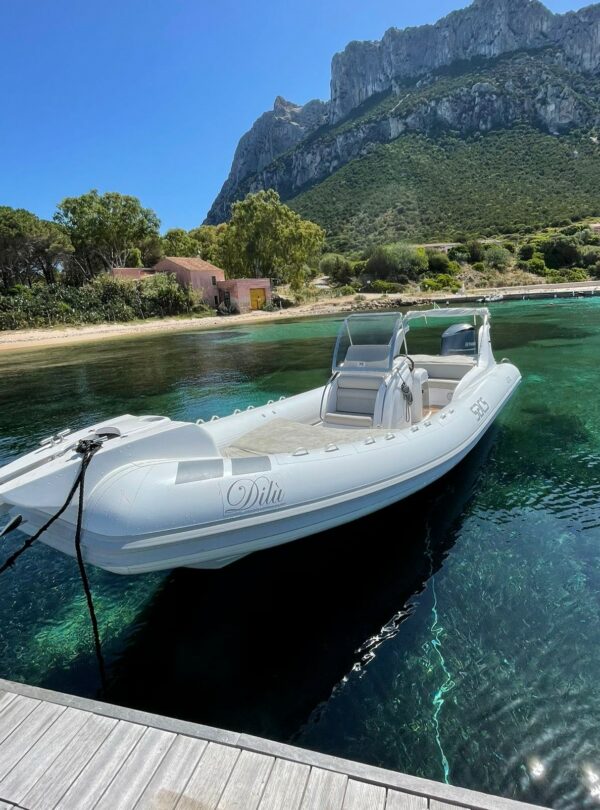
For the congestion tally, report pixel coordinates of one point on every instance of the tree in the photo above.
(338, 268)
(178, 242)
(438, 262)
(397, 260)
(209, 239)
(536, 265)
(104, 229)
(265, 238)
(497, 257)
(560, 251)
(590, 255)
(526, 251)
(476, 251)
(30, 247)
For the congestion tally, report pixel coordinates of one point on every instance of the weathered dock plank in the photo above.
(5, 699)
(40, 757)
(362, 796)
(28, 732)
(247, 782)
(324, 789)
(54, 783)
(435, 805)
(208, 780)
(100, 770)
(168, 784)
(404, 801)
(59, 752)
(286, 785)
(13, 713)
(137, 770)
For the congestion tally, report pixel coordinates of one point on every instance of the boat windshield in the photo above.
(368, 342)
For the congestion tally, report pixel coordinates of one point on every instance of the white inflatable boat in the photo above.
(161, 494)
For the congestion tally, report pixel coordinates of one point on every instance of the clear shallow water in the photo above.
(466, 646)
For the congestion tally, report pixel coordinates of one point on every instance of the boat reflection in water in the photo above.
(257, 646)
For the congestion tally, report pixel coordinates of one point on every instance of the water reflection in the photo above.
(258, 645)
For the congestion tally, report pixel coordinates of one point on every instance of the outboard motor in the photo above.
(460, 338)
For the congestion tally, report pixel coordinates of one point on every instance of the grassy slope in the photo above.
(421, 188)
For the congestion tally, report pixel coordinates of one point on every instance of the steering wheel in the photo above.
(409, 360)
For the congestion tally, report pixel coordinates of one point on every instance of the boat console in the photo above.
(376, 383)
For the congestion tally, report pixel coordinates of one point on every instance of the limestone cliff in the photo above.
(546, 58)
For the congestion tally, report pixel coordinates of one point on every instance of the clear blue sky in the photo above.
(149, 97)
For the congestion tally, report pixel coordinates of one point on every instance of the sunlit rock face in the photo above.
(271, 135)
(295, 145)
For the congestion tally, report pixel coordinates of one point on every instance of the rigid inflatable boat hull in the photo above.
(220, 543)
(162, 494)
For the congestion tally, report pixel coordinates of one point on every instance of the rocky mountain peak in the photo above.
(486, 29)
(284, 107)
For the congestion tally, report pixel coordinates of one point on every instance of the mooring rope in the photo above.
(86, 448)
(448, 683)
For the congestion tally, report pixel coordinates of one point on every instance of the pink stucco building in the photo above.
(195, 274)
(208, 280)
(246, 293)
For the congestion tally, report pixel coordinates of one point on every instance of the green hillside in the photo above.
(420, 188)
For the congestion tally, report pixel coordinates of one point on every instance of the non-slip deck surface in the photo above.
(59, 751)
(286, 436)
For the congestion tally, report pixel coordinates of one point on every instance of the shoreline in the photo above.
(40, 338)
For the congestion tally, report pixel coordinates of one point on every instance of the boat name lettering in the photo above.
(480, 408)
(247, 494)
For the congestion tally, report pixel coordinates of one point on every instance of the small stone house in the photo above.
(195, 274)
(209, 281)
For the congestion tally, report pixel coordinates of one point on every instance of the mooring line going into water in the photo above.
(438, 698)
(86, 448)
(448, 683)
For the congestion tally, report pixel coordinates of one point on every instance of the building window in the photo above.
(214, 281)
(216, 300)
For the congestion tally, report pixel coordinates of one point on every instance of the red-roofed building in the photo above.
(245, 294)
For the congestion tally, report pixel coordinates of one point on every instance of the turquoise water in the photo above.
(455, 636)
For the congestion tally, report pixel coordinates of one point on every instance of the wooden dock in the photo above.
(60, 751)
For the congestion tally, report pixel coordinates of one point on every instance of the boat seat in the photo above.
(349, 419)
(445, 367)
(355, 399)
(439, 392)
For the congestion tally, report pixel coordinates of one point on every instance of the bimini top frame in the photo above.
(369, 342)
(449, 312)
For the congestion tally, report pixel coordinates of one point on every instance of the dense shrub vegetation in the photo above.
(423, 189)
(104, 299)
(571, 253)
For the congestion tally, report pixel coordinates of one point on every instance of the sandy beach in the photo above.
(23, 339)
